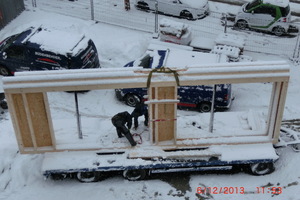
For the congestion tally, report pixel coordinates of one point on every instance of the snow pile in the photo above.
(175, 32)
(171, 27)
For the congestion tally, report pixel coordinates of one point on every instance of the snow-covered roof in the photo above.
(172, 27)
(195, 4)
(57, 41)
(181, 58)
(281, 3)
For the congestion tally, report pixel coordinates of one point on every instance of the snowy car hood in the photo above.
(195, 3)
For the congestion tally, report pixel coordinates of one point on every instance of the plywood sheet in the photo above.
(39, 119)
(22, 121)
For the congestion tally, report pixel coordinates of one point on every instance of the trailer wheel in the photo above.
(88, 177)
(134, 175)
(261, 168)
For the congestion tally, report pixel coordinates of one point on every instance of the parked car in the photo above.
(267, 15)
(45, 49)
(189, 9)
(197, 97)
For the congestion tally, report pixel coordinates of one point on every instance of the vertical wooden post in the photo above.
(275, 115)
(163, 110)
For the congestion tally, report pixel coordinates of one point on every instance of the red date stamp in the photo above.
(238, 190)
(221, 190)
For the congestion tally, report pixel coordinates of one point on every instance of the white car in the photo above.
(190, 9)
(268, 15)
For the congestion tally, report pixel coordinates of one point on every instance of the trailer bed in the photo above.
(157, 159)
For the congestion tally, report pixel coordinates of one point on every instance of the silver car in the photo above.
(189, 9)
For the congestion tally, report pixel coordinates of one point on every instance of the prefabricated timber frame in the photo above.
(26, 95)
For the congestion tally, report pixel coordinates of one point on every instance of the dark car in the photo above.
(198, 97)
(44, 49)
(3, 103)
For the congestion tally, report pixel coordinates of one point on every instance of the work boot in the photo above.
(130, 139)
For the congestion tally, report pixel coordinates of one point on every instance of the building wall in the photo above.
(9, 9)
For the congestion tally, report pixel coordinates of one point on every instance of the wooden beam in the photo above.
(131, 78)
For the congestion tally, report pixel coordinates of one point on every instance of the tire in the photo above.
(278, 31)
(186, 14)
(260, 169)
(205, 107)
(132, 100)
(88, 177)
(296, 147)
(3, 105)
(4, 71)
(242, 24)
(135, 175)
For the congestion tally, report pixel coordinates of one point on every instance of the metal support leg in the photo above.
(78, 117)
(212, 113)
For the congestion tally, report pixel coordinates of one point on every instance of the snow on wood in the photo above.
(127, 78)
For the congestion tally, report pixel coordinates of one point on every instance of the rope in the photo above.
(138, 135)
(162, 120)
(163, 70)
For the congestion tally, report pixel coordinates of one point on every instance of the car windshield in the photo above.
(7, 42)
(285, 11)
(253, 4)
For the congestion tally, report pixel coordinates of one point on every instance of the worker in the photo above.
(127, 4)
(139, 110)
(119, 121)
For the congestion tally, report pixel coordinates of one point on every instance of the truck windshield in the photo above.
(285, 11)
(7, 42)
(252, 4)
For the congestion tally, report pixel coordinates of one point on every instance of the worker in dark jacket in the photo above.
(139, 110)
(119, 121)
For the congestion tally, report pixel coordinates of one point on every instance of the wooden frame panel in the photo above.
(28, 104)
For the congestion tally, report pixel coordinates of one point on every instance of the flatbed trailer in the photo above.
(91, 166)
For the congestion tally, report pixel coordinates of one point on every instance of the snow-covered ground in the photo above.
(20, 175)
